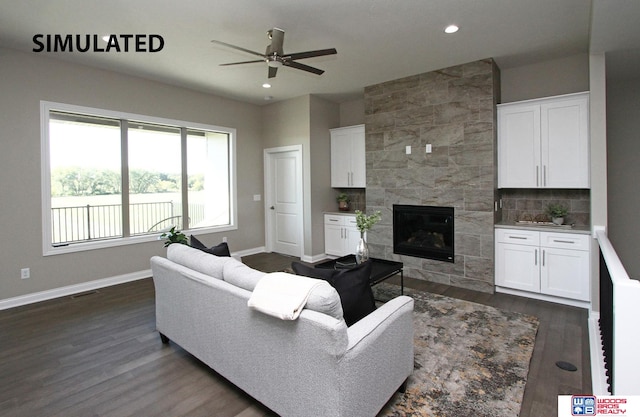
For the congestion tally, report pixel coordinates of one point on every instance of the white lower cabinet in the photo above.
(549, 263)
(341, 236)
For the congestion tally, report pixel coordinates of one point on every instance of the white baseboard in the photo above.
(598, 376)
(93, 285)
(313, 259)
(544, 297)
(253, 251)
(72, 289)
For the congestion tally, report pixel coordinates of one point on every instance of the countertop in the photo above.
(583, 230)
(341, 213)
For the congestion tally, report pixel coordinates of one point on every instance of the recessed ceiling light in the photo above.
(266, 85)
(451, 29)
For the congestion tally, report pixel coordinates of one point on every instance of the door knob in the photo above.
(272, 208)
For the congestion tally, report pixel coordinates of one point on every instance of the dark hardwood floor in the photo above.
(98, 354)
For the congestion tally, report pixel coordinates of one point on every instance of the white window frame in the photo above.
(48, 249)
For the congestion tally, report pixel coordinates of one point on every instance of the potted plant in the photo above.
(364, 223)
(343, 202)
(174, 236)
(557, 213)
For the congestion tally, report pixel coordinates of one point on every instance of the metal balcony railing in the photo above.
(95, 222)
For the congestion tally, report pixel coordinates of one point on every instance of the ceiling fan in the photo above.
(275, 56)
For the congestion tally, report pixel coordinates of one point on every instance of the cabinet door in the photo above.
(334, 240)
(565, 273)
(517, 267)
(519, 146)
(565, 143)
(358, 158)
(348, 162)
(352, 235)
(340, 159)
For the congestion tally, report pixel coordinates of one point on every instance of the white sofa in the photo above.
(312, 366)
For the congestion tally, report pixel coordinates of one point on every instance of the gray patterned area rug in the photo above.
(470, 359)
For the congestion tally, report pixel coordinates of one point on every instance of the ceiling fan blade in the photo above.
(311, 54)
(243, 62)
(277, 39)
(239, 48)
(302, 67)
(272, 72)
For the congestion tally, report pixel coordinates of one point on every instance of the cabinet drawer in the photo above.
(340, 220)
(334, 219)
(518, 237)
(564, 241)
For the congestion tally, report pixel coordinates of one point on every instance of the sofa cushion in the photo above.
(197, 260)
(240, 275)
(219, 250)
(352, 286)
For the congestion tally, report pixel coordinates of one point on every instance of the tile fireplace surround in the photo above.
(452, 109)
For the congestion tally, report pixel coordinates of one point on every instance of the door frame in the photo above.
(268, 198)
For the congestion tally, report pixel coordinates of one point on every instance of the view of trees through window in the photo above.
(92, 159)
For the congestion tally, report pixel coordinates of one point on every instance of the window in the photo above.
(113, 178)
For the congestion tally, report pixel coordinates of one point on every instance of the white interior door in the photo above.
(283, 185)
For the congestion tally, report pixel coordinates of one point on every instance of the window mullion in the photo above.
(124, 163)
(184, 178)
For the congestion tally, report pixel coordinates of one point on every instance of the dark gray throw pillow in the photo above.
(218, 250)
(352, 285)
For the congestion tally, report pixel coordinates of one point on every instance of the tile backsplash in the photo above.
(531, 204)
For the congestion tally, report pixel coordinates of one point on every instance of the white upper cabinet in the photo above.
(348, 164)
(544, 143)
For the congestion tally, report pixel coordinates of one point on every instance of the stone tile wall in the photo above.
(527, 204)
(452, 109)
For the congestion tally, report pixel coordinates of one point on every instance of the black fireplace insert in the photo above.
(423, 231)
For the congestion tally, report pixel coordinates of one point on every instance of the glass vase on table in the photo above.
(362, 250)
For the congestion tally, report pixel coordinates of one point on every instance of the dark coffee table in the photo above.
(381, 269)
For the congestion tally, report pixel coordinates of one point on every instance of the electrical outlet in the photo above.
(25, 273)
(224, 239)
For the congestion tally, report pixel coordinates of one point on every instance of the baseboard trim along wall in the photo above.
(72, 289)
(93, 285)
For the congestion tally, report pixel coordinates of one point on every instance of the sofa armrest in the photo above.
(388, 311)
(379, 358)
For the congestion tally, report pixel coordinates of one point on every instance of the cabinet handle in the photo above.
(537, 176)
(543, 253)
(517, 237)
(544, 175)
(333, 220)
(536, 258)
(564, 241)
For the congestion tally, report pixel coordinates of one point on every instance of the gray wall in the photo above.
(306, 120)
(544, 79)
(352, 113)
(623, 172)
(25, 79)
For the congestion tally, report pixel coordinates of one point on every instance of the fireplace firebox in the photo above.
(423, 231)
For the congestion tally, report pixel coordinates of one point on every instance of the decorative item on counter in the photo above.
(343, 202)
(364, 223)
(557, 212)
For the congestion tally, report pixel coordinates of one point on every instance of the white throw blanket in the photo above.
(282, 295)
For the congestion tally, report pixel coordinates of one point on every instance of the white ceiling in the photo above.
(377, 40)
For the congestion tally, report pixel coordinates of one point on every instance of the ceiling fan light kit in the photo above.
(275, 57)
